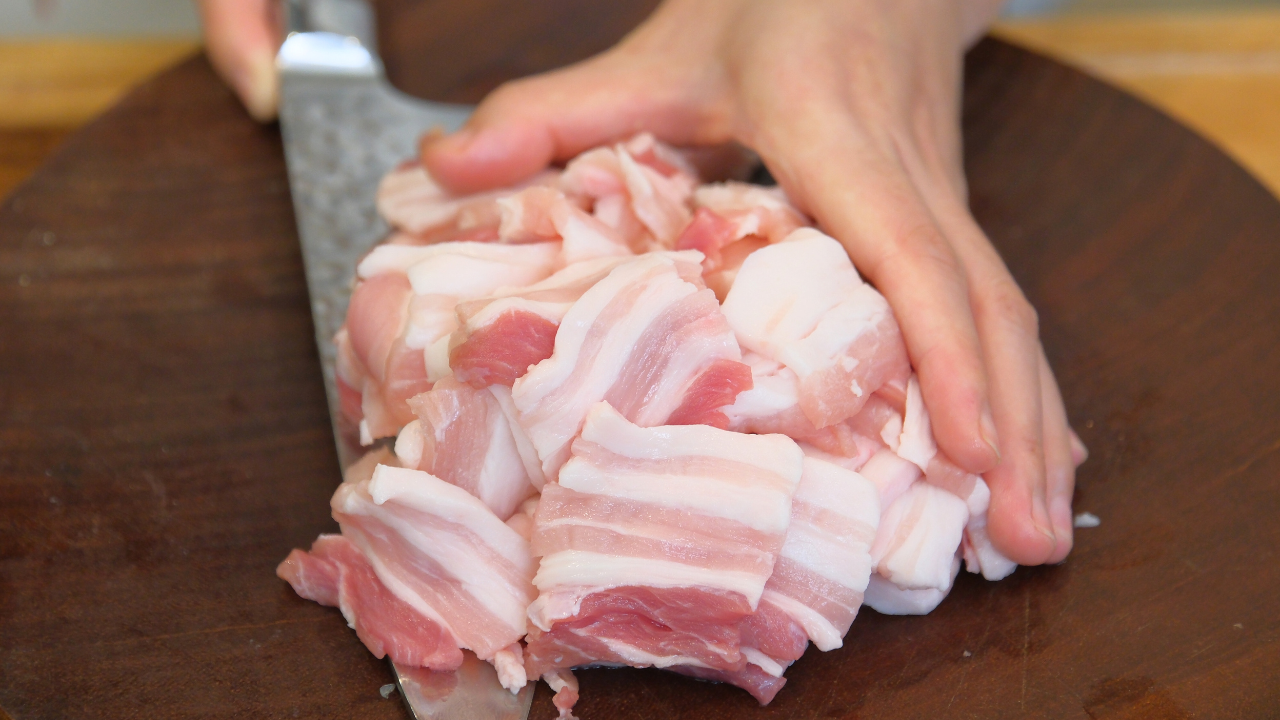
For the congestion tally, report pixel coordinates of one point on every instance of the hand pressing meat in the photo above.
(854, 107)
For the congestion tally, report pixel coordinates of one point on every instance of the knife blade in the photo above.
(344, 128)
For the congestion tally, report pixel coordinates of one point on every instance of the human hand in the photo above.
(854, 107)
(241, 38)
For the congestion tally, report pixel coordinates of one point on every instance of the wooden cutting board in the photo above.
(164, 440)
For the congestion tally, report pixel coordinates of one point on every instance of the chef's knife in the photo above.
(344, 128)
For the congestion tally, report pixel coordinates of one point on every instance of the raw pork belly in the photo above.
(336, 574)
(447, 556)
(641, 421)
(800, 302)
(463, 436)
(818, 581)
(501, 336)
(655, 543)
(640, 339)
(396, 339)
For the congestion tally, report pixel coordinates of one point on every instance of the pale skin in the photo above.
(854, 107)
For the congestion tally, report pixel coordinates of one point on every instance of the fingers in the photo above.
(527, 124)
(869, 204)
(1060, 465)
(241, 38)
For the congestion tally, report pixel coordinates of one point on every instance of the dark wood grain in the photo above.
(164, 439)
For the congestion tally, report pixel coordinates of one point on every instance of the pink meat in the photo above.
(390, 372)
(713, 390)
(503, 350)
(464, 438)
(336, 574)
(500, 337)
(540, 213)
(762, 686)
(444, 553)
(656, 543)
(637, 339)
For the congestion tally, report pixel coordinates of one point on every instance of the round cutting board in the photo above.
(164, 439)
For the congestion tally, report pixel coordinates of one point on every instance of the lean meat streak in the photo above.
(638, 421)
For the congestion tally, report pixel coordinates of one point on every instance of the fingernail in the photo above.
(987, 428)
(260, 89)
(1079, 453)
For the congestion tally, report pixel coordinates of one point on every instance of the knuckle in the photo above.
(1006, 302)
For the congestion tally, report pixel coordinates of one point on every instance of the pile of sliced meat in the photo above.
(637, 421)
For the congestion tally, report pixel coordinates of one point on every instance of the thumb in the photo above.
(527, 124)
(241, 37)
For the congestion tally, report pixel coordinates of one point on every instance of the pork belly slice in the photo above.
(409, 199)
(442, 552)
(751, 209)
(656, 543)
(800, 302)
(375, 359)
(394, 343)
(818, 582)
(462, 269)
(463, 437)
(641, 188)
(336, 574)
(541, 214)
(640, 339)
(731, 221)
(917, 444)
(499, 337)
(915, 551)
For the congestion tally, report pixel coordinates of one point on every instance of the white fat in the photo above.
(528, 455)
(591, 572)
(509, 662)
(918, 537)
(429, 494)
(782, 291)
(410, 444)
(366, 437)
(885, 597)
(762, 661)
(758, 506)
(916, 443)
(828, 556)
(890, 474)
(825, 636)
(1086, 520)
(436, 358)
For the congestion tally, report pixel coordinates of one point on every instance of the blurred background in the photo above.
(1213, 64)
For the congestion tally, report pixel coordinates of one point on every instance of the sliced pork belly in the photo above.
(640, 188)
(800, 302)
(378, 362)
(751, 209)
(408, 198)
(639, 339)
(403, 310)
(826, 560)
(441, 551)
(818, 582)
(336, 574)
(463, 437)
(656, 543)
(772, 405)
(541, 214)
(462, 269)
(917, 444)
(915, 551)
(499, 337)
